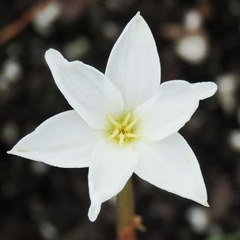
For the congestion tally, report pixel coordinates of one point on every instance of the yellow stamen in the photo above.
(132, 135)
(114, 122)
(131, 125)
(114, 134)
(126, 120)
(123, 131)
(121, 139)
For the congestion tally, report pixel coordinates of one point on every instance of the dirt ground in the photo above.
(196, 40)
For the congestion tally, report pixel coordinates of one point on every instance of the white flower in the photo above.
(122, 122)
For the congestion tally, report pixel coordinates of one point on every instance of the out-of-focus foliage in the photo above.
(232, 236)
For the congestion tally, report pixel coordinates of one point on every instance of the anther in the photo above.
(126, 120)
(114, 134)
(114, 122)
(131, 125)
(121, 139)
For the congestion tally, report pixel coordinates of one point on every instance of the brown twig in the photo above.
(13, 29)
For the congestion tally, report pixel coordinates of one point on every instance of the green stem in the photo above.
(125, 213)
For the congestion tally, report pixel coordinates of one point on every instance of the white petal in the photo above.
(63, 140)
(169, 109)
(110, 169)
(170, 164)
(205, 89)
(134, 65)
(86, 89)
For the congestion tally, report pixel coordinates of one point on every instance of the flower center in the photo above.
(123, 132)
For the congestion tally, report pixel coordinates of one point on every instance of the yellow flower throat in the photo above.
(123, 132)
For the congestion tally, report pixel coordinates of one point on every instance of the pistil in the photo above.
(127, 118)
(121, 139)
(131, 125)
(114, 122)
(132, 135)
(114, 134)
(123, 132)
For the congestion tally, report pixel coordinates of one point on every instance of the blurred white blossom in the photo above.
(45, 18)
(192, 20)
(193, 49)
(227, 86)
(198, 218)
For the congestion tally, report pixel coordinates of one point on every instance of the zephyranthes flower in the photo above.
(122, 122)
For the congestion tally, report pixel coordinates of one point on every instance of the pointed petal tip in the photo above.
(16, 152)
(96, 203)
(13, 151)
(138, 15)
(93, 212)
(205, 89)
(10, 152)
(92, 218)
(206, 204)
(213, 87)
(49, 52)
(53, 56)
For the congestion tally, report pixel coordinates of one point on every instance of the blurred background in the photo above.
(198, 40)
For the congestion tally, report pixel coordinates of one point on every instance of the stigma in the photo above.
(123, 131)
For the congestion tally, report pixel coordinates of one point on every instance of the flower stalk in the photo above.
(125, 213)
